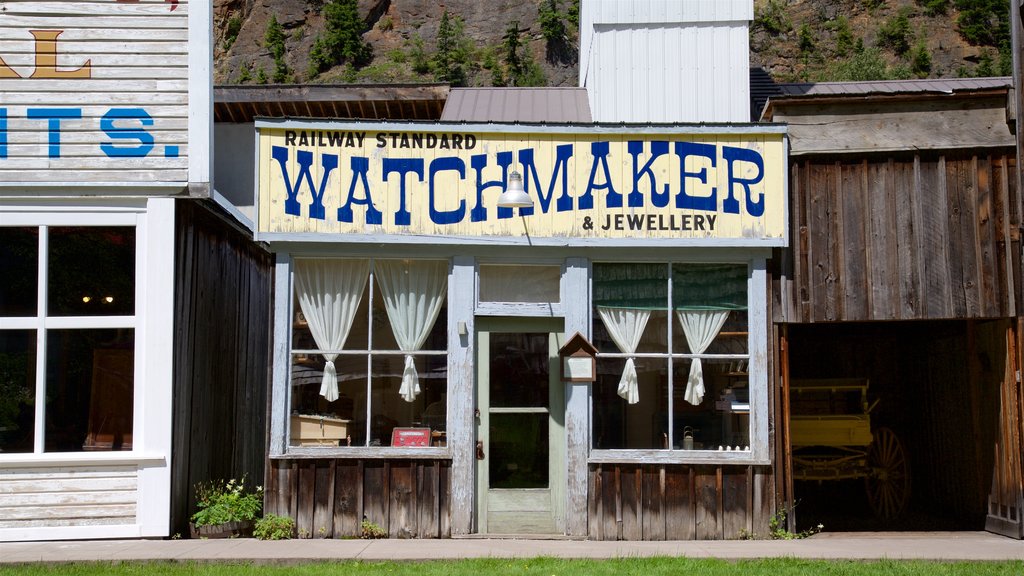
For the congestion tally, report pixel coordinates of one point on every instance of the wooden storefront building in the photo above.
(903, 277)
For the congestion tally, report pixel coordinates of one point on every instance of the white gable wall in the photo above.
(660, 61)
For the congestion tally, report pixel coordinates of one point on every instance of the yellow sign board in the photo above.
(585, 182)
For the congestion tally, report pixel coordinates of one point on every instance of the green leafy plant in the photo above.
(895, 34)
(451, 59)
(921, 60)
(771, 17)
(934, 7)
(805, 39)
(372, 531)
(220, 502)
(231, 33)
(342, 40)
(844, 37)
(274, 527)
(778, 531)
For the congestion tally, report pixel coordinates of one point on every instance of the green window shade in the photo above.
(642, 286)
(709, 287)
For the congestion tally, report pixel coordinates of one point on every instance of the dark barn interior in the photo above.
(937, 385)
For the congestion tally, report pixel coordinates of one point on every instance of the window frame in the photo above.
(289, 451)
(756, 357)
(41, 322)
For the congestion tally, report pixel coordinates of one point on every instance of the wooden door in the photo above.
(520, 432)
(1006, 500)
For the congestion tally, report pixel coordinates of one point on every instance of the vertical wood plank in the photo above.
(735, 494)
(934, 202)
(610, 502)
(323, 499)
(955, 176)
(909, 284)
(401, 504)
(817, 239)
(461, 395)
(632, 503)
(679, 508)
(577, 401)
(347, 482)
(426, 499)
(306, 499)
(653, 491)
(855, 281)
(985, 245)
(444, 500)
(374, 494)
(594, 520)
(707, 497)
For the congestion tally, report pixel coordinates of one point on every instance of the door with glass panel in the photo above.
(520, 428)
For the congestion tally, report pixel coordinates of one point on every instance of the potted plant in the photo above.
(226, 510)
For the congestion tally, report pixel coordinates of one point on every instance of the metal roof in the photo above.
(933, 85)
(358, 101)
(557, 105)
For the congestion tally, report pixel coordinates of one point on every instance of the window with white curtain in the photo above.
(369, 351)
(673, 351)
(67, 337)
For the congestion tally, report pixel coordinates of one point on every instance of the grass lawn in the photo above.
(536, 567)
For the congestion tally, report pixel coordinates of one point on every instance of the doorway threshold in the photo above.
(513, 537)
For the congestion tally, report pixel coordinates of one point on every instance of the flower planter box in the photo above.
(313, 430)
(239, 529)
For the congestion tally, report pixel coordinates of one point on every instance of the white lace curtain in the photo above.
(700, 328)
(413, 293)
(626, 327)
(329, 291)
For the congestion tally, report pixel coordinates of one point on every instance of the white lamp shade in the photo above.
(514, 196)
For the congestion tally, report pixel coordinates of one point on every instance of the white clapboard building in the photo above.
(104, 121)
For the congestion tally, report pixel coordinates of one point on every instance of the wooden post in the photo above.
(787, 446)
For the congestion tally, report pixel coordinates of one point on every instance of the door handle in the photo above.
(480, 450)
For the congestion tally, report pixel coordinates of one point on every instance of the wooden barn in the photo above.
(896, 307)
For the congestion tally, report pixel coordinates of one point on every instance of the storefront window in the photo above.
(83, 326)
(673, 354)
(369, 352)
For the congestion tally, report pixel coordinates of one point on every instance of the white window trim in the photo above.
(153, 322)
(280, 445)
(758, 382)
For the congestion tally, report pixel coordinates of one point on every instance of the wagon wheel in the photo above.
(888, 479)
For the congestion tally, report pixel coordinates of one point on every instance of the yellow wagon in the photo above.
(832, 439)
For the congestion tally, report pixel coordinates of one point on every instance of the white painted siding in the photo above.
(88, 496)
(659, 61)
(121, 74)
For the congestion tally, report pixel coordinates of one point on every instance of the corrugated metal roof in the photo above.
(557, 105)
(935, 85)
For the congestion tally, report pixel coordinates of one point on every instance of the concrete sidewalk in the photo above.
(853, 546)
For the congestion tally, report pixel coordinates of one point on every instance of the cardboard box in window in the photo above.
(314, 430)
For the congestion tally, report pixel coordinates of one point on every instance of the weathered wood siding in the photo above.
(678, 502)
(81, 496)
(223, 287)
(1005, 505)
(901, 238)
(329, 498)
(117, 76)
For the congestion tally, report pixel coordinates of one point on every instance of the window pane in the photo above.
(388, 410)
(709, 286)
(519, 369)
(634, 287)
(731, 339)
(618, 424)
(723, 417)
(518, 451)
(17, 390)
(314, 420)
(519, 283)
(19, 260)
(91, 271)
(90, 389)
